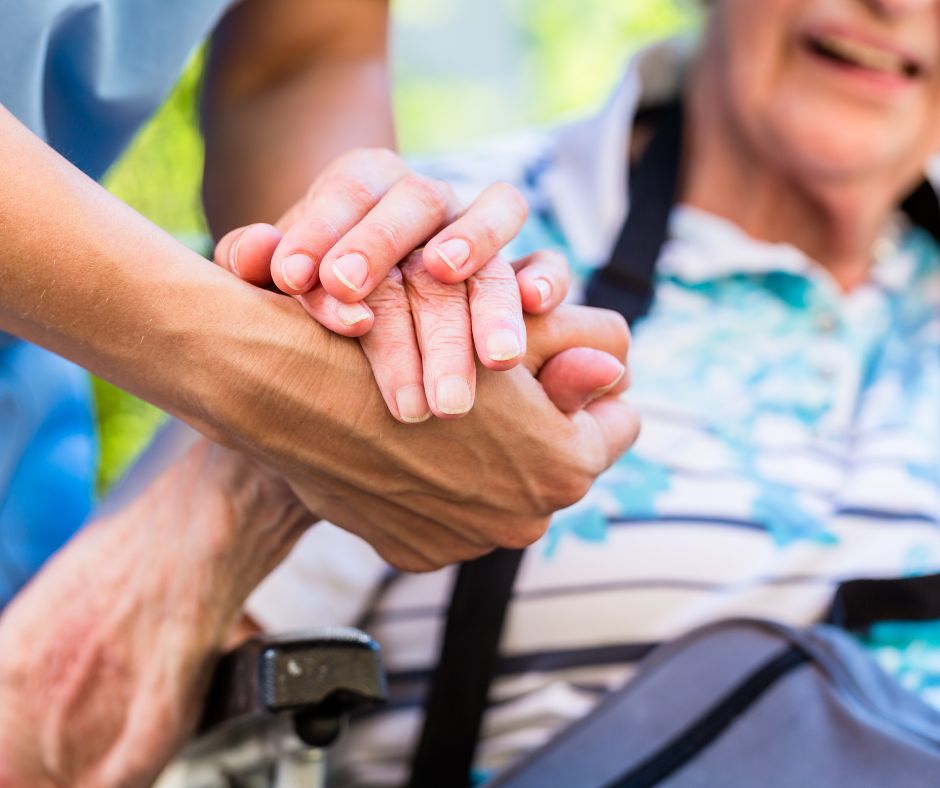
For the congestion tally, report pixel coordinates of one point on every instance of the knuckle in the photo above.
(523, 533)
(389, 295)
(414, 270)
(381, 158)
(488, 235)
(513, 198)
(309, 228)
(448, 192)
(446, 342)
(443, 301)
(386, 239)
(428, 293)
(611, 323)
(349, 187)
(569, 490)
(494, 303)
(552, 258)
(428, 193)
(496, 275)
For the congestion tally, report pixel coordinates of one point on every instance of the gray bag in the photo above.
(744, 703)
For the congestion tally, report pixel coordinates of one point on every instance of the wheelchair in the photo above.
(274, 705)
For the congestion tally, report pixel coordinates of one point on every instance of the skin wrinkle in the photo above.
(176, 605)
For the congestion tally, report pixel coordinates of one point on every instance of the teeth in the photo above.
(863, 55)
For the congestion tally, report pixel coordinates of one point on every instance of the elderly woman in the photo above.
(788, 368)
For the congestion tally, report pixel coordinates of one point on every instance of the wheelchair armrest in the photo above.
(314, 678)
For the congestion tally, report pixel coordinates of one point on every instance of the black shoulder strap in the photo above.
(857, 604)
(626, 283)
(460, 685)
(470, 650)
(923, 208)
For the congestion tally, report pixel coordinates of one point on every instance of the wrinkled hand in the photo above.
(368, 209)
(105, 656)
(448, 490)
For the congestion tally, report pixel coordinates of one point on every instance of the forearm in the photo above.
(104, 658)
(290, 84)
(88, 278)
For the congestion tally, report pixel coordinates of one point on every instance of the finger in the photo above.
(544, 279)
(442, 324)
(411, 211)
(345, 193)
(247, 251)
(392, 349)
(571, 326)
(613, 425)
(491, 222)
(349, 320)
(496, 315)
(576, 377)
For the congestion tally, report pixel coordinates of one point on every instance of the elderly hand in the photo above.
(448, 490)
(369, 207)
(105, 656)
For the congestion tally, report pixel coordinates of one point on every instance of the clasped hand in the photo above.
(338, 252)
(550, 420)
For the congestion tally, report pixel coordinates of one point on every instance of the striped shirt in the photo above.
(791, 439)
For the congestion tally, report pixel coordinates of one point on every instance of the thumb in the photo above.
(571, 326)
(578, 376)
(247, 252)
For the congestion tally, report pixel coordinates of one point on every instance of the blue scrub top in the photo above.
(83, 75)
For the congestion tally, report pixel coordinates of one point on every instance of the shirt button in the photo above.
(826, 371)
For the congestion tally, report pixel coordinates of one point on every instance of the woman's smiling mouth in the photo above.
(878, 64)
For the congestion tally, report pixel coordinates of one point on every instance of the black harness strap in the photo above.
(625, 284)
(461, 682)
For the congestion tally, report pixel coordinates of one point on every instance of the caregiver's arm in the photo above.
(289, 85)
(87, 277)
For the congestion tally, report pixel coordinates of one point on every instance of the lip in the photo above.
(886, 80)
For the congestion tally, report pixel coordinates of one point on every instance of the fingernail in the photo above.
(454, 252)
(412, 406)
(233, 255)
(350, 314)
(352, 270)
(502, 345)
(297, 271)
(545, 289)
(453, 395)
(600, 392)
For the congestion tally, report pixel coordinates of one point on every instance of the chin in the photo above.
(841, 146)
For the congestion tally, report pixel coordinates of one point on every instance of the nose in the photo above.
(896, 8)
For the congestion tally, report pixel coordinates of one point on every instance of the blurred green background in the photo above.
(462, 69)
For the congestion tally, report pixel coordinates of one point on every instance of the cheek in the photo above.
(750, 56)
